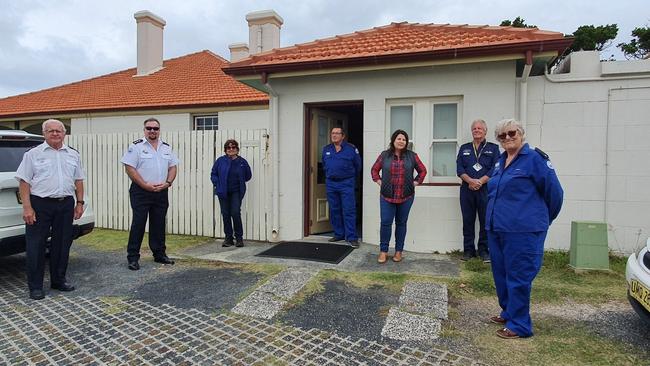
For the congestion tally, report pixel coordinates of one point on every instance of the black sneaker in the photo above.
(228, 243)
(467, 256)
(354, 244)
(240, 243)
(485, 257)
(335, 239)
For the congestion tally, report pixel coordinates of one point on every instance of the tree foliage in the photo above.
(638, 47)
(590, 38)
(518, 22)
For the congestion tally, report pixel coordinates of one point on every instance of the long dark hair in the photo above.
(393, 137)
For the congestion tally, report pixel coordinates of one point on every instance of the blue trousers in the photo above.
(57, 216)
(231, 215)
(516, 260)
(343, 208)
(389, 212)
(471, 204)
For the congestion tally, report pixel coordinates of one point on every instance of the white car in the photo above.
(13, 145)
(637, 274)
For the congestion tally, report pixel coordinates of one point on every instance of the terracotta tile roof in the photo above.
(194, 80)
(397, 40)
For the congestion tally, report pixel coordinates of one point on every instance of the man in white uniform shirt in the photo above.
(151, 165)
(50, 177)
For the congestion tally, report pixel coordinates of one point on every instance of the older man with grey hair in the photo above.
(51, 189)
(474, 161)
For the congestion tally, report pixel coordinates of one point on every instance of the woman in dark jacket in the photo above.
(229, 175)
(397, 190)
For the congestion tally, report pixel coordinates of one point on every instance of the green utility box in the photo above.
(589, 249)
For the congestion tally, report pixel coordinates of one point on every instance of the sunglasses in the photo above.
(232, 147)
(152, 128)
(510, 134)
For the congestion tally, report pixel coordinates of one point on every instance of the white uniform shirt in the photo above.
(151, 164)
(51, 172)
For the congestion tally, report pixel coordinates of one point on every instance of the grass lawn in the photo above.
(116, 240)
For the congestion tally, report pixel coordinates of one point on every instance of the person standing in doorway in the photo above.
(50, 181)
(342, 166)
(474, 162)
(229, 175)
(151, 164)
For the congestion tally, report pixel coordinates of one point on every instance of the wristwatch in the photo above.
(81, 202)
(168, 182)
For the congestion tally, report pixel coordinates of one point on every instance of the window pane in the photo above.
(206, 123)
(401, 118)
(444, 159)
(444, 121)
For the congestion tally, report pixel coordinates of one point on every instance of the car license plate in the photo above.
(640, 293)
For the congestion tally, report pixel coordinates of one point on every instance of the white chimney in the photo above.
(263, 30)
(238, 51)
(150, 42)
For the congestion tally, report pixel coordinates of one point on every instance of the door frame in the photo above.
(307, 107)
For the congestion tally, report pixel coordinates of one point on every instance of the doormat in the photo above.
(317, 252)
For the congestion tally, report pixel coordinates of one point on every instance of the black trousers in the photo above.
(154, 206)
(471, 204)
(53, 216)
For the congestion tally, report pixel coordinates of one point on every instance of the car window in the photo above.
(12, 153)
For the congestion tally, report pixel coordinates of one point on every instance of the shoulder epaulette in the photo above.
(352, 145)
(164, 143)
(73, 148)
(543, 154)
(137, 141)
(32, 147)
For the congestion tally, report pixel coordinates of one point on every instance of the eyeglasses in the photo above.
(337, 133)
(231, 147)
(54, 131)
(152, 128)
(511, 134)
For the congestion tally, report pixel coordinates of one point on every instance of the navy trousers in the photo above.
(151, 205)
(471, 204)
(53, 216)
(343, 208)
(516, 259)
(231, 215)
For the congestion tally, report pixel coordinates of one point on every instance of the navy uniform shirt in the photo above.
(151, 164)
(343, 164)
(488, 155)
(51, 172)
(524, 197)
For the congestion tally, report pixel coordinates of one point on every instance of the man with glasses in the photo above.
(50, 178)
(474, 161)
(342, 165)
(151, 164)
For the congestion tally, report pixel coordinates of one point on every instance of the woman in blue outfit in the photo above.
(229, 175)
(524, 197)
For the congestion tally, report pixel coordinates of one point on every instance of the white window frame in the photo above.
(389, 131)
(195, 122)
(453, 178)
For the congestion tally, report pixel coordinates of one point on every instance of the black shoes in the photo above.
(335, 239)
(65, 287)
(134, 266)
(485, 257)
(227, 243)
(36, 294)
(164, 260)
(467, 256)
(240, 243)
(354, 244)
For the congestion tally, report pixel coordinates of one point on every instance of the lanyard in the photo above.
(476, 153)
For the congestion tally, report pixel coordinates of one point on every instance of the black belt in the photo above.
(339, 179)
(53, 199)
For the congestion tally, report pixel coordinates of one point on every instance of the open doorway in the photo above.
(320, 118)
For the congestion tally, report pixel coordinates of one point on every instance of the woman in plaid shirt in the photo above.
(397, 190)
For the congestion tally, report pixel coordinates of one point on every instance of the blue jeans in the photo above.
(231, 214)
(399, 212)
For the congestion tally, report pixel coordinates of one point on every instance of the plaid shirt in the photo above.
(397, 176)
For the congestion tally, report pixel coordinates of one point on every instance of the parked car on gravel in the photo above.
(637, 274)
(13, 145)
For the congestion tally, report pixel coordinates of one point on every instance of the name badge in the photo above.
(477, 167)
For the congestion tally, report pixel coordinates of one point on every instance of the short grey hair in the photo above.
(505, 124)
(52, 120)
(481, 122)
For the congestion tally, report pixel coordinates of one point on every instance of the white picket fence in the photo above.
(193, 208)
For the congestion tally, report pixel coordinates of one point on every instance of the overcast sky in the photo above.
(50, 43)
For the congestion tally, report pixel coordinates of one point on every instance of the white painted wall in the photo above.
(487, 91)
(596, 130)
(244, 120)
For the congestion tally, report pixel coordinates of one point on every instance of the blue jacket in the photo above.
(343, 164)
(488, 155)
(219, 175)
(524, 197)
